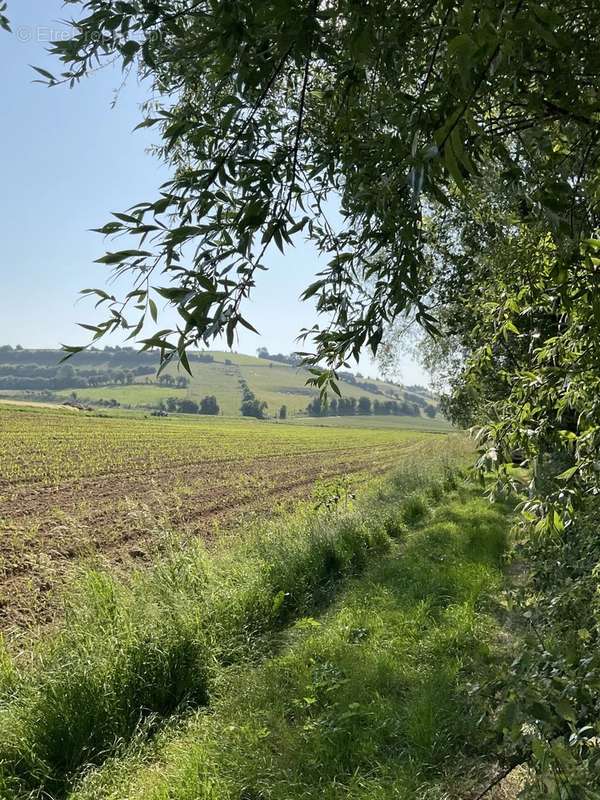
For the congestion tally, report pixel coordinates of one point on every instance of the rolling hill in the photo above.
(126, 378)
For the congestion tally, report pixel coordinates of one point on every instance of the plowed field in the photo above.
(75, 487)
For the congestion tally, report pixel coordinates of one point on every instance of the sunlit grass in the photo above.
(371, 699)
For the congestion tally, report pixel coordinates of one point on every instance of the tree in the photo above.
(209, 405)
(253, 407)
(283, 412)
(187, 407)
(273, 107)
(316, 407)
(364, 405)
(430, 410)
(65, 376)
(347, 406)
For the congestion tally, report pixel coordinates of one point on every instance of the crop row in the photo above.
(48, 448)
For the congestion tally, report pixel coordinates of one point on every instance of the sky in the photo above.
(70, 157)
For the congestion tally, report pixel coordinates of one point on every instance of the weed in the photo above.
(415, 508)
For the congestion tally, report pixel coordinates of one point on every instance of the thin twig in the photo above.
(298, 133)
(499, 778)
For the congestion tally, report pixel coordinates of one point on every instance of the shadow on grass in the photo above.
(375, 699)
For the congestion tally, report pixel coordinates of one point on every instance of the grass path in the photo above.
(378, 697)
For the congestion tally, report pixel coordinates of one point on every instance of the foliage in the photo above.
(209, 405)
(350, 406)
(519, 358)
(364, 405)
(251, 405)
(273, 108)
(4, 24)
(292, 360)
(334, 494)
(430, 410)
(551, 694)
(180, 405)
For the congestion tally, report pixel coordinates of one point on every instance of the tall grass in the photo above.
(372, 699)
(130, 655)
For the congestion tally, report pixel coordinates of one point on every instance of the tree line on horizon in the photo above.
(364, 406)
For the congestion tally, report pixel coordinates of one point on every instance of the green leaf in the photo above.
(566, 711)
(568, 473)
(51, 80)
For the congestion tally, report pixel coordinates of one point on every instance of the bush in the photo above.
(414, 508)
(209, 405)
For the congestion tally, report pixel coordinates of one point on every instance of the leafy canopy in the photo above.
(274, 112)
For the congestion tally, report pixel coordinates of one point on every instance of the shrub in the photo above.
(209, 405)
(414, 508)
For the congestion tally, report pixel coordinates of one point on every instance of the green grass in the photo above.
(239, 359)
(133, 395)
(371, 699)
(220, 380)
(132, 655)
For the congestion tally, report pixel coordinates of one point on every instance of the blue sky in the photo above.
(67, 160)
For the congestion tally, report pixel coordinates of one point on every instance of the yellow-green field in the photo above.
(388, 422)
(76, 484)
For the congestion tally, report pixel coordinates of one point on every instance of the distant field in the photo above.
(377, 422)
(279, 385)
(217, 379)
(34, 374)
(73, 485)
(134, 395)
(220, 380)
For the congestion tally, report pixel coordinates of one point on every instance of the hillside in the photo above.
(126, 378)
